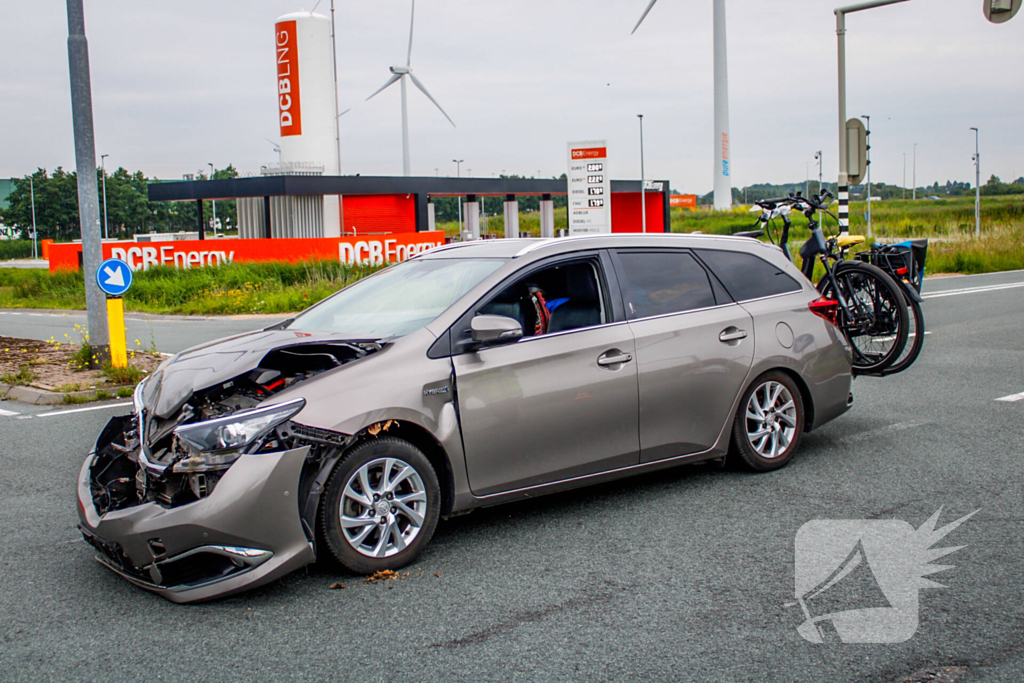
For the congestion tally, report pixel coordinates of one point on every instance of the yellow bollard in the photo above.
(115, 325)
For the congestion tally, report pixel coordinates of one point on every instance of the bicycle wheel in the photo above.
(876, 326)
(915, 336)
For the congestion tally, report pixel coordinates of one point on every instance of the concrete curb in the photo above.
(41, 397)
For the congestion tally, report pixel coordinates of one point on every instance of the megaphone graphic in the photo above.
(851, 586)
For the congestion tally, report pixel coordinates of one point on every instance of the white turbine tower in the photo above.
(723, 179)
(398, 73)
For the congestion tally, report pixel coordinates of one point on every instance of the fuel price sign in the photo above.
(589, 188)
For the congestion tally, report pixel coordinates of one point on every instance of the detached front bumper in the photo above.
(245, 533)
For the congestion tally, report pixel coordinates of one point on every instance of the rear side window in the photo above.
(656, 283)
(746, 276)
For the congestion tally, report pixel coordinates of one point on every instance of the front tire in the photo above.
(381, 506)
(769, 422)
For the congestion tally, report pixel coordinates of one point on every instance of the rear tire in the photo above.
(769, 423)
(879, 333)
(380, 506)
(915, 337)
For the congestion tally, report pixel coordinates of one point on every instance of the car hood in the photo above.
(167, 389)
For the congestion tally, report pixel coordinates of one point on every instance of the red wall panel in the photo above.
(626, 212)
(383, 213)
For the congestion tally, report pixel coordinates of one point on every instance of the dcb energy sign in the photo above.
(370, 250)
(289, 103)
(590, 188)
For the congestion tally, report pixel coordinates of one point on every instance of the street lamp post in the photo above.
(844, 190)
(868, 128)
(643, 178)
(88, 201)
(458, 174)
(35, 233)
(820, 157)
(214, 224)
(977, 185)
(913, 194)
(103, 173)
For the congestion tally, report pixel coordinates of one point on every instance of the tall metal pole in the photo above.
(85, 163)
(337, 116)
(844, 190)
(406, 164)
(821, 159)
(103, 174)
(643, 178)
(35, 232)
(214, 224)
(458, 174)
(977, 185)
(914, 195)
(723, 151)
(868, 127)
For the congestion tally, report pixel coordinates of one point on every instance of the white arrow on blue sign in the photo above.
(114, 277)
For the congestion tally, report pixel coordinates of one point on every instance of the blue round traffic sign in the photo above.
(114, 277)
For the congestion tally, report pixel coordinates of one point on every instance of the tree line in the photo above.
(129, 210)
(752, 193)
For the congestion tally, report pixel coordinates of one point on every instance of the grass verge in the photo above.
(234, 288)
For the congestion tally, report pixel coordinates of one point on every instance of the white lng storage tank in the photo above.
(307, 108)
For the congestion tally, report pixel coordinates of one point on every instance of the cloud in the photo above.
(177, 85)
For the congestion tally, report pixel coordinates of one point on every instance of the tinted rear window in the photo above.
(746, 276)
(657, 283)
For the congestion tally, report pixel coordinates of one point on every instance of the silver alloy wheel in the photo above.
(771, 420)
(383, 507)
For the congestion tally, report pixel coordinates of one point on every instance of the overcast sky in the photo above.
(178, 84)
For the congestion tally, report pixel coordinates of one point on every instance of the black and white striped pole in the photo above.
(844, 134)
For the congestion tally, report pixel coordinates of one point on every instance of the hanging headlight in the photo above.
(219, 442)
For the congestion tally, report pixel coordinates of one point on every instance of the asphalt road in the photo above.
(683, 575)
(169, 333)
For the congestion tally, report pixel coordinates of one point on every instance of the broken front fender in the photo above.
(246, 533)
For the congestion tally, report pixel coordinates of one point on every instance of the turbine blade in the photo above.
(412, 19)
(392, 80)
(643, 16)
(416, 82)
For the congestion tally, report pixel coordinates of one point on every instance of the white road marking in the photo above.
(55, 413)
(973, 290)
(1012, 397)
(7, 413)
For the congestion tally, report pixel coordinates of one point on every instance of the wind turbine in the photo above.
(723, 179)
(398, 73)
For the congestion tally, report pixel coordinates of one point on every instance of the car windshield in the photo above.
(398, 300)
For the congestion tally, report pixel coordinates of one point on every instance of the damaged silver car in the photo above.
(471, 375)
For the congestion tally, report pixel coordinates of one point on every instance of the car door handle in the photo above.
(732, 334)
(605, 361)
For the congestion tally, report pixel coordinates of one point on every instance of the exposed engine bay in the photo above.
(179, 459)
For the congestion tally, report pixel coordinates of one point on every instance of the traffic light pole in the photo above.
(88, 197)
(868, 136)
(844, 189)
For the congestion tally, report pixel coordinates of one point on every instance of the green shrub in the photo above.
(22, 377)
(126, 375)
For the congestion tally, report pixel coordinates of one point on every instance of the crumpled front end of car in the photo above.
(217, 497)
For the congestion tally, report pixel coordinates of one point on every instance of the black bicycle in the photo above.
(871, 310)
(904, 263)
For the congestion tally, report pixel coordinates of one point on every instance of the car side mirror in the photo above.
(489, 330)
